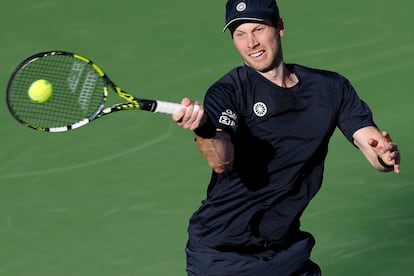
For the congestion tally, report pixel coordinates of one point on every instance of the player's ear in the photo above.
(280, 26)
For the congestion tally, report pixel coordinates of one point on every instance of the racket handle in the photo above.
(167, 107)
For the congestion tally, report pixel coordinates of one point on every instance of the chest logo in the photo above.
(260, 109)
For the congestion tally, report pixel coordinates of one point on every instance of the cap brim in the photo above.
(242, 19)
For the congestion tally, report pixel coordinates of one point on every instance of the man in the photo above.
(264, 130)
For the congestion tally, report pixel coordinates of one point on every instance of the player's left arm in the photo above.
(378, 148)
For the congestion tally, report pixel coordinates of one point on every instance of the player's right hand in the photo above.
(191, 116)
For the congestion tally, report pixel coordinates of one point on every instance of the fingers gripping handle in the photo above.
(167, 107)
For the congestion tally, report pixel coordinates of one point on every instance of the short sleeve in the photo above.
(221, 105)
(354, 113)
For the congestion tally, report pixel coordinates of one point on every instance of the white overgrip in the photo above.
(167, 107)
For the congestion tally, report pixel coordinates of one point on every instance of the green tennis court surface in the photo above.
(114, 198)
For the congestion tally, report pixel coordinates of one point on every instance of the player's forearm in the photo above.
(218, 151)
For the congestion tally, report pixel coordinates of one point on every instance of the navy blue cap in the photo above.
(250, 10)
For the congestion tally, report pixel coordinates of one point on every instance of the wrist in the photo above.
(382, 163)
(207, 130)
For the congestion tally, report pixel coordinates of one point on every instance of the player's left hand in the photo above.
(387, 150)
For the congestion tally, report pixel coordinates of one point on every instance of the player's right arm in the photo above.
(218, 150)
(214, 144)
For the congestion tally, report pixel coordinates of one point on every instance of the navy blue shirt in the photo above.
(281, 138)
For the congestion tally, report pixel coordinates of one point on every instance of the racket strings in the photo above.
(78, 92)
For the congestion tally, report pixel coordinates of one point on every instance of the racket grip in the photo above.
(167, 107)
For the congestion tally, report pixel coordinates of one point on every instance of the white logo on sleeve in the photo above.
(228, 118)
(260, 109)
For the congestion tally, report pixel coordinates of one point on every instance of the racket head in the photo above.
(80, 90)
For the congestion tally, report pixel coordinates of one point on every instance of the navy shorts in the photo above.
(292, 261)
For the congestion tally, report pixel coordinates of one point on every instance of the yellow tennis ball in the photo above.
(40, 91)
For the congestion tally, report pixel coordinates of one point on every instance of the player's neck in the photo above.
(281, 76)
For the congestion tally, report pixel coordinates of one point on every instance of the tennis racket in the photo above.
(79, 93)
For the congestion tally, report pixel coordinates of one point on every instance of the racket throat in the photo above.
(136, 103)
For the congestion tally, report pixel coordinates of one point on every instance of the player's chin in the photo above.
(261, 66)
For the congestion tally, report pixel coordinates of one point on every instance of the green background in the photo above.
(114, 198)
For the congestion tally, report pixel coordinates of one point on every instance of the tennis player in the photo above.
(264, 130)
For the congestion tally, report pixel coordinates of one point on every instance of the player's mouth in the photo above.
(257, 54)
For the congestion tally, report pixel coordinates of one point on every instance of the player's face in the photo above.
(259, 45)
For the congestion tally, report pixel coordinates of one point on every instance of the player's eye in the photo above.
(259, 29)
(239, 34)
